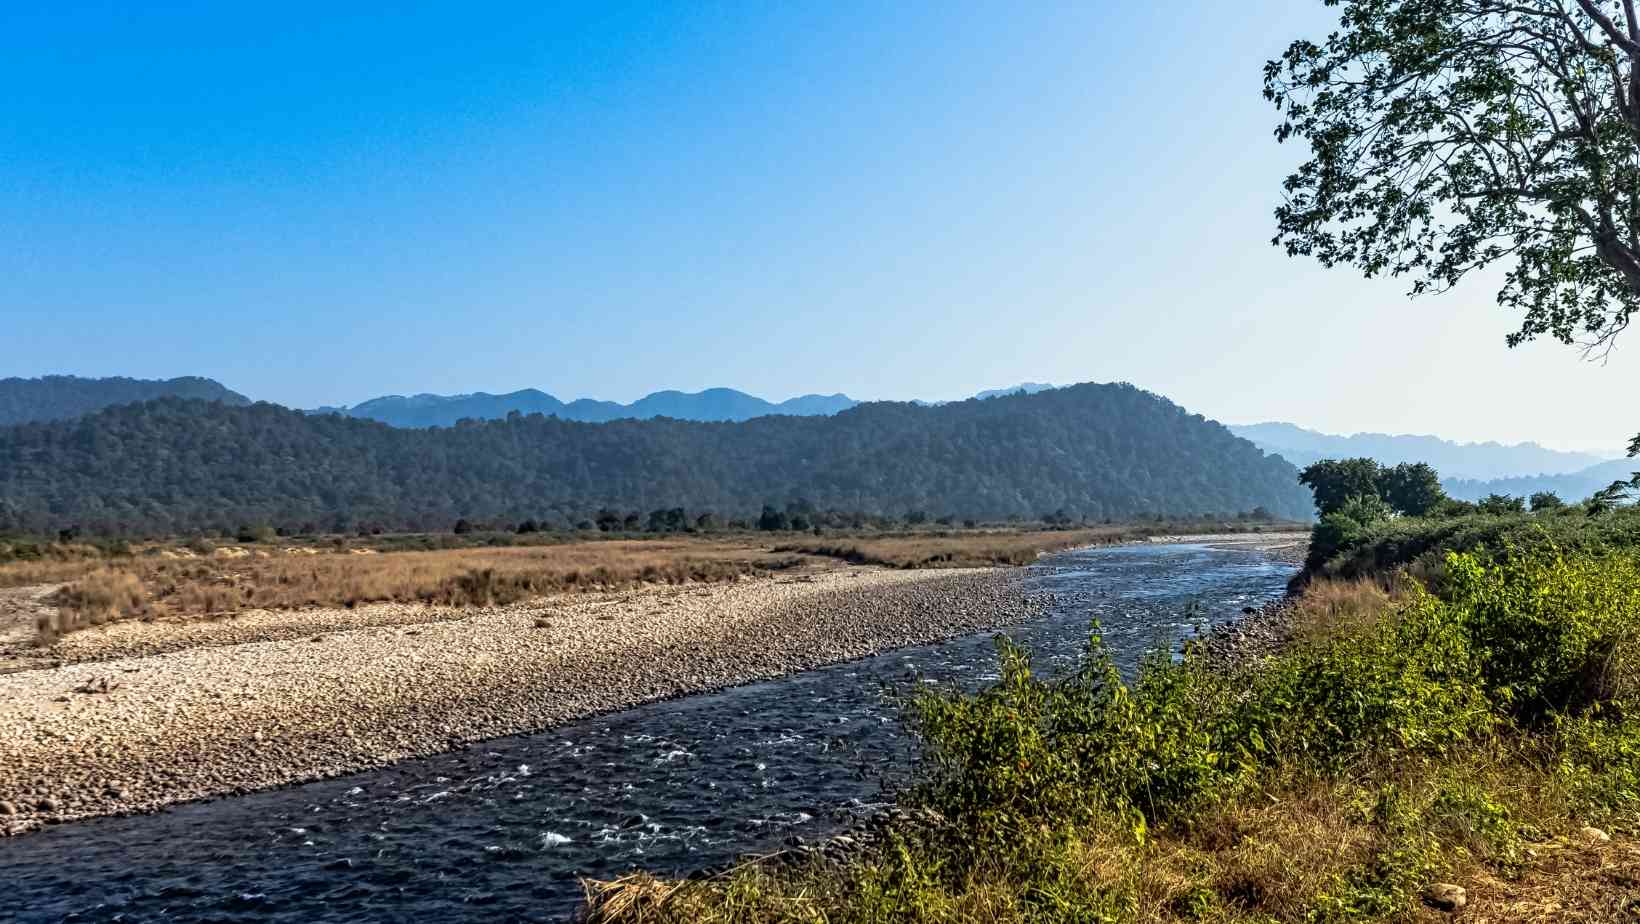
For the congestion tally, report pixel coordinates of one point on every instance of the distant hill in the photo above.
(1471, 461)
(1089, 450)
(1029, 388)
(60, 397)
(712, 404)
(1574, 486)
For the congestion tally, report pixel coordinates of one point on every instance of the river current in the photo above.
(504, 830)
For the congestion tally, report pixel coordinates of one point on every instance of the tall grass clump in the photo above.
(1337, 780)
(99, 597)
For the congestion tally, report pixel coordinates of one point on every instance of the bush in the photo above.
(1356, 550)
(99, 597)
(1557, 634)
(1186, 734)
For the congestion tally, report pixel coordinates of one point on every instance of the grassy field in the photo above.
(1415, 749)
(170, 582)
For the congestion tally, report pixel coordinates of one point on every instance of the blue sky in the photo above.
(890, 200)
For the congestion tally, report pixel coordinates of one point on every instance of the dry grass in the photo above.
(101, 596)
(1332, 607)
(962, 550)
(48, 563)
(234, 579)
(1298, 852)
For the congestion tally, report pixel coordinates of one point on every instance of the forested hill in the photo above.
(60, 397)
(172, 465)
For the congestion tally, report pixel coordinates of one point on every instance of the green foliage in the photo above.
(1365, 509)
(1185, 735)
(1596, 757)
(1411, 489)
(1557, 634)
(1543, 501)
(172, 466)
(1500, 504)
(1334, 483)
(1424, 541)
(1446, 137)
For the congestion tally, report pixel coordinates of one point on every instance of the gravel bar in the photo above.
(273, 699)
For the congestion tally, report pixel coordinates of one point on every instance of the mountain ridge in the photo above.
(175, 465)
(1460, 461)
(63, 397)
(711, 404)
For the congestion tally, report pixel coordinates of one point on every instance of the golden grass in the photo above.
(51, 563)
(965, 549)
(232, 580)
(101, 596)
(1332, 607)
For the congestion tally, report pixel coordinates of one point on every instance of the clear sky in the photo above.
(321, 203)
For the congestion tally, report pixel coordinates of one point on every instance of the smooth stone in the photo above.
(1447, 896)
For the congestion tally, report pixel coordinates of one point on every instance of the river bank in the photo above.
(269, 699)
(515, 824)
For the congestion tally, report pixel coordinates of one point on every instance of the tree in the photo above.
(1335, 482)
(1498, 504)
(1411, 488)
(773, 520)
(1449, 136)
(1365, 509)
(1546, 500)
(462, 527)
(1618, 492)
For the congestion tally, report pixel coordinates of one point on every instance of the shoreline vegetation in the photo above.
(1442, 719)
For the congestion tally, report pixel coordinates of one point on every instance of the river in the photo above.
(505, 829)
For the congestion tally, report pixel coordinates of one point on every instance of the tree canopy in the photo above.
(1409, 489)
(1446, 136)
(1449, 136)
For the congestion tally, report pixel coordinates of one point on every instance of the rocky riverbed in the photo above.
(135, 719)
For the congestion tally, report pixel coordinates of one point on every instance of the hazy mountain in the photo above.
(1471, 461)
(60, 397)
(1029, 388)
(711, 404)
(1574, 486)
(1090, 450)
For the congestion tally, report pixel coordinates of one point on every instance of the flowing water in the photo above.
(502, 831)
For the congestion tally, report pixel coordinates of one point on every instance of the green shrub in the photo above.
(1555, 634)
(1186, 733)
(1372, 548)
